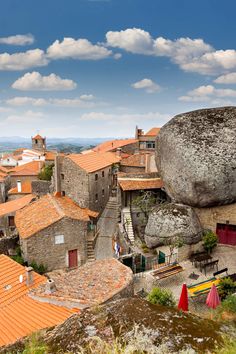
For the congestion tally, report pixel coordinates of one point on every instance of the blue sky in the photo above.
(96, 68)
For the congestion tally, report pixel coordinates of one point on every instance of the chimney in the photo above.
(118, 152)
(50, 287)
(29, 276)
(19, 187)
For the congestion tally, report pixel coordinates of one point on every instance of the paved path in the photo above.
(107, 226)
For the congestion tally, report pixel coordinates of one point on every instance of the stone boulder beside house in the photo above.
(195, 156)
(169, 220)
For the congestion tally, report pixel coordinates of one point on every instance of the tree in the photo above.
(210, 240)
(145, 202)
(174, 242)
(46, 173)
(162, 297)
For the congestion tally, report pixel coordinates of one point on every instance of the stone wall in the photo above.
(102, 187)
(41, 187)
(23, 179)
(7, 243)
(132, 169)
(42, 249)
(209, 217)
(131, 148)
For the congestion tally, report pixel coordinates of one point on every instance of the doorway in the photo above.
(73, 258)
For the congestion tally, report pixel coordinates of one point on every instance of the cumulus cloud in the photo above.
(77, 49)
(84, 101)
(24, 60)
(26, 117)
(19, 39)
(146, 84)
(130, 118)
(207, 93)
(226, 79)
(36, 82)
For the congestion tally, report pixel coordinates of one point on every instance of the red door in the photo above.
(226, 233)
(73, 259)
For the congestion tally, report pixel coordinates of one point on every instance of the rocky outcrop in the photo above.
(170, 220)
(196, 157)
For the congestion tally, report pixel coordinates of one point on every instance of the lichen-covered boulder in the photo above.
(171, 220)
(196, 157)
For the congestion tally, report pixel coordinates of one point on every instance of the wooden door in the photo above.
(73, 259)
(226, 233)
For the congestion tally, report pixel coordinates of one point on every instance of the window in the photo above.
(36, 141)
(103, 192)
(59, 239)
(150, 144)
(11, 221)
(96, 197)
(96, 176)
(63, 193)
(103, 174)
(62, 176)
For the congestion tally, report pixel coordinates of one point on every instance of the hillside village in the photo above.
(81, 230)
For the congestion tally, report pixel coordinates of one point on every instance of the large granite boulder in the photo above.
(171, 220)
(196, 157)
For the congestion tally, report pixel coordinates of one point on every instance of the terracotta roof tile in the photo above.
(94, 161)
(28, 169)
(139, 184)
(136, 160)
(153, 132)
(39, 137)
(26, 188)
(46, 211)
(114, 144)
(14, 205)
(19, 314)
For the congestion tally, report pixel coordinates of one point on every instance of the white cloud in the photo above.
(36, 82)
(24, 60)
(130, 118)
(77, 49)
(226, 79)
(207, 93)
(84, 101)
(19, 39)
(23, 101)
(147, 84)
(26, 117)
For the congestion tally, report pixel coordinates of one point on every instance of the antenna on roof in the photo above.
(21, 278)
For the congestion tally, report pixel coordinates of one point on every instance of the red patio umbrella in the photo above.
(183, 301)
(213, 299)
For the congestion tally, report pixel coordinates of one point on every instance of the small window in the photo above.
(62, 176)
(59, 239)
(63, 193)
(96, 176)
(150, 145)
(36, 141)
(103, 174)
(11, 221)
(103, 192)
(96, 197)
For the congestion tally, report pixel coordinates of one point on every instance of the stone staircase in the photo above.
(90, 251)
(112, 204)
(128, 225)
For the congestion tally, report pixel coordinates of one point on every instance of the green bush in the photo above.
(229, 347)
(226, 287)
(210, 240)
(229, 304)
(46, 173)
(161, 297)
(39, 268)
(34, 346)
(18, 257)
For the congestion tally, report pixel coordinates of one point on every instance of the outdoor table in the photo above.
(201, 259)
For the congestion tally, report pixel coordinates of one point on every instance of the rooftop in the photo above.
(114, 144)
(153, 132)
(139, 183)
(26, 188)
(136, 160)
(46, 211)
(28, 169)
(39, 137)
(19, 314)
(94, 161)
(93, 283)
(15, 205)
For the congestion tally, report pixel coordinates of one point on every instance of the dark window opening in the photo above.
(103, 174)
(36, 141)
(63, 193)
(62, 176)
(96, 177)
(150, 144)
(96, 197)
(103, 192)
(11, 220)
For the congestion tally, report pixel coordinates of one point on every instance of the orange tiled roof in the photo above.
(50, 155)
(14, 205)
(46, 211)
(4, 169)
(26, 188)
(20, 315)
(94, 161)
(2, 176)
(133, 184)
(39, 137)
(153, 132)
(136, 160)
(114, 144)
(28, 169)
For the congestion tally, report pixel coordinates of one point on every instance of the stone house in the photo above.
(8, 211)
(141, 162)
(20, 190)
(53, 231)
(147, 141)
(25, 173)
(128, 146)
(88, 179)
